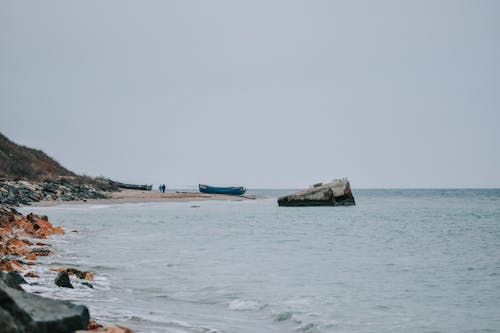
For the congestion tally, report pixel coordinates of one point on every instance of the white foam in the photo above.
(182, 326)
(245, 305)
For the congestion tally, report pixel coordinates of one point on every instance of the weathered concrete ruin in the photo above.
(336, 193)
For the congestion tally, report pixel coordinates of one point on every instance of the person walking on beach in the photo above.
(163, 187)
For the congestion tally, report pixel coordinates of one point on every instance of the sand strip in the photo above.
(137, 196)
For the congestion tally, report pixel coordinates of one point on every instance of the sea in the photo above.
(412, 261)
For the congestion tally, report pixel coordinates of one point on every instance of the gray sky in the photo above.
(257, 93)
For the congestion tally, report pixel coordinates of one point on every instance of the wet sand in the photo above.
(137, 196)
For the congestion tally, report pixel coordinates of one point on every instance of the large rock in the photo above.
(18, 278)
(22, 312)
(8, 280)
(336, 193)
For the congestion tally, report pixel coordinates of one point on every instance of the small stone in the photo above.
(62, 280)
(32, 275)
(58, 231)
(89, 276)
(93, 325)
(109, 329)
(42, 233)
(88, 284)
(57, 270)
(42, 224)
(41, 252)
(76, 272)
(27, 242)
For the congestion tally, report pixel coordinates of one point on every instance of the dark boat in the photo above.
(222, 190)
(132, 186)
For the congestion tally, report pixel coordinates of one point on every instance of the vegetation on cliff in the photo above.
(19, 162)
(22, 162)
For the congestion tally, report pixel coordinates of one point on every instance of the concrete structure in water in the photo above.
(336, 193)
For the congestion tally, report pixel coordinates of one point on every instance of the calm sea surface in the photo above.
(400, 261)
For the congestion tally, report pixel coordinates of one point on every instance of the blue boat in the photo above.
(222, 190)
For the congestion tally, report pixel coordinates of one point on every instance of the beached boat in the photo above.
(132, 186)
(222, 190)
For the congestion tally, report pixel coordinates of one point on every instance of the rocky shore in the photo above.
(20, 192)
(25, 238)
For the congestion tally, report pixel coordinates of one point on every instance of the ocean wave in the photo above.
(181, 327)
(98, 206)
(283, 316)
(309, 327)
(245, 305)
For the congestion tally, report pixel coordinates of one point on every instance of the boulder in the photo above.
(336, 193)
(18, 278)
(62, 280)
(22, 312)
(7, 280)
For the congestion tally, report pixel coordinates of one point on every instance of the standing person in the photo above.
(163, 188)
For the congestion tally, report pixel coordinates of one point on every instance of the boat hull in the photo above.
(132, 186)
(221, 190)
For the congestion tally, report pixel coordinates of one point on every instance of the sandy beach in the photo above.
(137, 196)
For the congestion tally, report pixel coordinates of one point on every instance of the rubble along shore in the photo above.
(21, 192)
(23, 238)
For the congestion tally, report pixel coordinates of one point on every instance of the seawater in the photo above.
(399, 261)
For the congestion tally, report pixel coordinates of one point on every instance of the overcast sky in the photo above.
(257, 93)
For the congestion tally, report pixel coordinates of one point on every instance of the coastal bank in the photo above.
(26, 238)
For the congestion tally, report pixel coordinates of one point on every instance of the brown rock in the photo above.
(24, 225)
(41, 252)
(5, 229)
(79, 274)
(93, 325)
(57, 270)
(15, 242)
(31, 256)
(58, 231)
(5, 250)
(32, 275)
(17, 246)
(42, 233)
(43, 224)
(109, 329)
(27, 242)
(11, 266)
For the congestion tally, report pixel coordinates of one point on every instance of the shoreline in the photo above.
(139, 196)
(20, 244)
